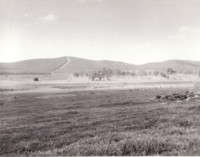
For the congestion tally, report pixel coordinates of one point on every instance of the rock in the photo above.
(191, 94)
(178, 97)
(158, 96)
(171, 98)
(167, 97)
(163, 97)
(183, 96)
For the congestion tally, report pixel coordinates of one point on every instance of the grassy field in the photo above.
(110, 122)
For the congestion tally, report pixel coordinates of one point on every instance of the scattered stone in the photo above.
(158, 96)
(191, 94)
(178, 96)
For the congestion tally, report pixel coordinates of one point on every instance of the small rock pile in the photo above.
(176, 96)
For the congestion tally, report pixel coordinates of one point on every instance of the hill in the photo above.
(33, 66)
(69, 65)
(85, 65)
(177, 65)
(63, 65)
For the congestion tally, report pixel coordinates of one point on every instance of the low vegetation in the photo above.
(36, 79)
(112, 122)
(106, 74)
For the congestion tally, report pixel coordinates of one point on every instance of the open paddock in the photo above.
(97, 122)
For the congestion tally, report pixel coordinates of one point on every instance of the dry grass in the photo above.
(117, 144)
(114, 122)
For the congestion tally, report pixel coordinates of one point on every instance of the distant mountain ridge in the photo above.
(70, 65)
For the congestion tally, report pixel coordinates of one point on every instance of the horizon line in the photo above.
(22, 60)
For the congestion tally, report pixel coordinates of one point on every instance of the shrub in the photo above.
(199, 73)
(133, 74)
(163, 75)
(101, 74)
(36, 79)
(170, 71)
(155, 73)
(76, 74)
(142, 73)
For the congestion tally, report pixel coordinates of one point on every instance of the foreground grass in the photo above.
(98, 123)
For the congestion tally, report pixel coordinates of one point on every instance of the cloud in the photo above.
(87, 1)
(185, 32)
(48, 18)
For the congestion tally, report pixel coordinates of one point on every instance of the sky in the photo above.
(132, 31)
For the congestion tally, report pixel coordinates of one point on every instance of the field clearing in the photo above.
(64, 83)
(97, 122)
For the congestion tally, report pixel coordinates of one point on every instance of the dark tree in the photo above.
(170, 71)
(107, 73)
(101, 74)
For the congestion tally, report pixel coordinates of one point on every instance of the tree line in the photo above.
(106, 74)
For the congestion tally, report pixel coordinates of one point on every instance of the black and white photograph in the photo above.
(99, 78)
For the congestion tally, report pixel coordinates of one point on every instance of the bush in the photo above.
(149, 73)
(188, 72)
(170, 71)
(164, 75)
(142, 73)
(76, 74)
(199, 73)
(36, 79)
(155, 73)
(101, 74)
(133, 74)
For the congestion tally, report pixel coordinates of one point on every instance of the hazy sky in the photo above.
(134, 31)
